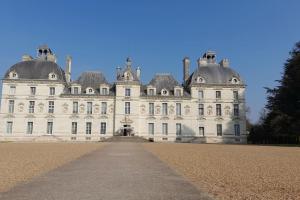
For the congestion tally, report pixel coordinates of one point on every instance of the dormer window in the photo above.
(234, 80)
(164, 92)
(13, 75)
(52, 76)
(104, 91)
(200, 79)
(151, 92)
(89, 90)
(178, 92)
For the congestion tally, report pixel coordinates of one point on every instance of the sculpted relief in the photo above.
(96, 109)
(227, 110)
(171, 109)
(143, 109)
(81, 108)
(41, 107)
(209, 110)
(111, 108)
(157, 110)
(21, 107)
(65, 108)
(187, 110)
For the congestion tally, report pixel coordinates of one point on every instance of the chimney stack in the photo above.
(68, 68)
(138, 73)
(224, 62)
(186, 68)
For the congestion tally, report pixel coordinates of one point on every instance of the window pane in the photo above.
(178, 109)
(51, 107)
(219, 129)
(49, 127)
(218, 110)
(218, 94)
(201, 131)
(29, 127)
(103, 128)
(127, 92)
(200, 94)
(178, 129)
(151, 108)
(74, 127)
(31, 106)
(165, 109)
(127, 108)
(237, 130)
(75, 107)
(11, 106)
(89, 108)
(151, 128)
(32, 90)
(52, 90)
(9, 127)
(88, 128)
(165, 129)
(103, 108)
(201, 109)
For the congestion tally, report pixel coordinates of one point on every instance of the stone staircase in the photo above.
(125, 139)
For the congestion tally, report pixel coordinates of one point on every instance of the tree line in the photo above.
(279, 122)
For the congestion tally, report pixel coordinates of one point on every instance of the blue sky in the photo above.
(255, 35)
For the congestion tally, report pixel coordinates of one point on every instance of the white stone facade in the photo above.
(201, 109)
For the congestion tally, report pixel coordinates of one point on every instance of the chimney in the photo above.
(68, 68)
(186, 68)
(224, 62)
(118, 72)
(138, 73)
(26, 58)
(201, 62)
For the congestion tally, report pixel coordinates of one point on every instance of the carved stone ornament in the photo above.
(65, 107)
(187, 110)
(21, 107)
(81, 108)
(96, 109)
(209, 110)
(41, 107)
(143, 109)
(111, 108)
(227, 110)
(157, 110)
(171, 109)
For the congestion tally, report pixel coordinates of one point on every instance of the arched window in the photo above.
(234, 80)
(164, 92)
(13, 75)
(200, 79)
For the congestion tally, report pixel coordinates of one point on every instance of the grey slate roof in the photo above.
(214, 74)
(91, 79)
(36, 69)
(161, 81)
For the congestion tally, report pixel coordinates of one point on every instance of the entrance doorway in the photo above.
(126, 130)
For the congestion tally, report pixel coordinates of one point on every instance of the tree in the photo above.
(283, 103)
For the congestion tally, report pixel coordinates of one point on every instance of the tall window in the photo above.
(52, 91)
(237, 130)
(164, 108)
(9, 126)
(219, 130)
(104, 91)
(218, 94)
(151, 128)
(178, 109)
(103, 128)
(201, 131)
(177, 92)
(75, 107)
(236, 111)
(32, 90)
(235, 95)
(218, 110)
(31, 107)
(74, 127)
(11, 106)
(29, 127)
(89, 109)
(127, 108)
(164, 128)
(201, 109)
(49, 128)
(12, 89)
(127, 92)
(151, 92)
(178, 129)
(103, 108)
(51, 107)
(75, 90)
(88, 129)
(151, 108)
(200, 94)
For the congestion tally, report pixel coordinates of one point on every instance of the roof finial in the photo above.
(128, 62)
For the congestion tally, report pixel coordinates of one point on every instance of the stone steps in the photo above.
(125, 139)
